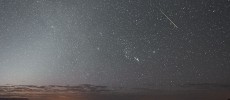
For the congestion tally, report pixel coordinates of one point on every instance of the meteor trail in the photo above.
(168, 18)
(164, 14)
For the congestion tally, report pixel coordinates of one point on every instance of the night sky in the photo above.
(127, 43)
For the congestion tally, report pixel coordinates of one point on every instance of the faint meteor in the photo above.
(168, 18)
(164, 14)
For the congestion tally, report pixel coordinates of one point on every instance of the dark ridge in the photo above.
(14, 99)
(206, 85)
(87, 88)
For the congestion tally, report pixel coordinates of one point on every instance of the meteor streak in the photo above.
(168, 18)
(164, 15)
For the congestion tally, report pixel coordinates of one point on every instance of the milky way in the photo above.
(129, 43)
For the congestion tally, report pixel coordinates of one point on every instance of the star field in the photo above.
(131, 43)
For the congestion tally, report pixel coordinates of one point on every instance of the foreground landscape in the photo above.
(91, 92)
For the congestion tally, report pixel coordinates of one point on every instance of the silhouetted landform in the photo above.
(206, 86)
(88, 88)
(94, 92)
(14, 99)
(83, 88)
